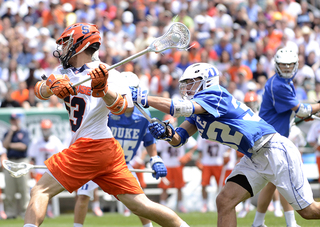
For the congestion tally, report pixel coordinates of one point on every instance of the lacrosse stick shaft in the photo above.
(303, 119)
(131, 170)
(151, 120)
(118, 64)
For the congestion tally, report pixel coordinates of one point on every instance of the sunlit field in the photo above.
(194, 219)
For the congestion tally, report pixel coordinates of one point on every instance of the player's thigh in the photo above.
(47, 185)
(134, 201)
(232, 194)
(206, 175)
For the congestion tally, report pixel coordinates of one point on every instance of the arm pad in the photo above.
(180, 107)
(119, 106)
(184, 136)
(304, 110)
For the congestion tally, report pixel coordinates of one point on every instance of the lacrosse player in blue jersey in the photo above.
(129, 129)
(212, 111)
(278, 108)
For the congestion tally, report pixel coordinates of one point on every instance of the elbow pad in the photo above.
(184, 136)
(119, 106)
(37, 90)
(304, 110)
(180, 107)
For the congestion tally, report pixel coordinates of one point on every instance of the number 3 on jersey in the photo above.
(76, 107)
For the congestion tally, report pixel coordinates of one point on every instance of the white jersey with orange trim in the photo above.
(212, 152)
(41, 150)
(89, 114)
(171, 155)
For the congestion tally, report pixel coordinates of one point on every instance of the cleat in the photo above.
(204, 209)
(50, 214)
(271, 207)
(242, 214)
(126, 212)
(97, 212)
(278, 213)
(183, 210)
(3, 215)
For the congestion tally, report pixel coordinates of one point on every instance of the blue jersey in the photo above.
(277, 100)
(228, 121)
(130, 132)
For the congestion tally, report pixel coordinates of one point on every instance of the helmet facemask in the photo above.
(188, 90)
(287, 73)
(284, 59)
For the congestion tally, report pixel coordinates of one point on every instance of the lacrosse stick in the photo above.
(177, 36)
(19, 169)
(151, 120)
(314, 117)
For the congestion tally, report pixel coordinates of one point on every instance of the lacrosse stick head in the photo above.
(16, 170)
(177, 36)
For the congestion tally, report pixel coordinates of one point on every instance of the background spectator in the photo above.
(16, 141)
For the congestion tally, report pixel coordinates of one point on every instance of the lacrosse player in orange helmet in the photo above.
(94, 154)
(42, 148)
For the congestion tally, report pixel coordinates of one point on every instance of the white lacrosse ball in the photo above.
(175, 37)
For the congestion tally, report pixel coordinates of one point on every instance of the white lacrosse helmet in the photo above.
(286, 56)
(130, 79)
(209, 76)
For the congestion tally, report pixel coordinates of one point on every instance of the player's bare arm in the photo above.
(190, 128)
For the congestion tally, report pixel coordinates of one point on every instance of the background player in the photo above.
(42, 148)
(129, 129)
(278, 108)
(217, 115)
(175, 159)
(212, 156)
(94, 154)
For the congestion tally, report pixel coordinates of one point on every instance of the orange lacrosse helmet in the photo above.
(251, 100)
(46, 124)
(74, 40)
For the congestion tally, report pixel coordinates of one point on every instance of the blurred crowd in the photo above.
(239, 37)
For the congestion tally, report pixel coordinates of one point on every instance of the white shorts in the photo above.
(88, 188)
(278, 162)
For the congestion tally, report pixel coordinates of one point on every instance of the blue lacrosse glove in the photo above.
(158, 166)
(164, 131)
(139, 96)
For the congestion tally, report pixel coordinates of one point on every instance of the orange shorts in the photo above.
(175, 177)
(101, 161)
(209, 171)
(38, 176)
(228, 171)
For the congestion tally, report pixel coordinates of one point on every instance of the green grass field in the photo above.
(194, 219)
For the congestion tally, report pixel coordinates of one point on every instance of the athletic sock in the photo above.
(148, 225)
(258, 219)
(183, 224)
(30, 225)
(1, 207)
(77, 225)
(276, 205)
(290, 219)
(95, 204)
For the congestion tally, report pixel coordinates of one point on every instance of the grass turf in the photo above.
(194, 219)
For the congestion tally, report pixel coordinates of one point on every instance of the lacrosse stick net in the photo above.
(17, 170)
(177, 36)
